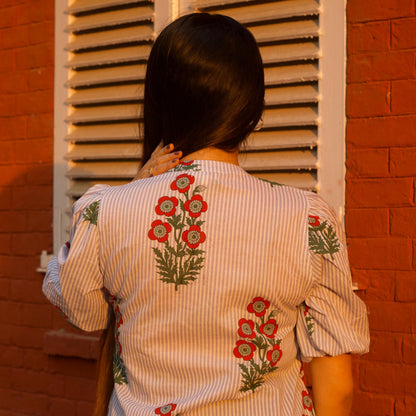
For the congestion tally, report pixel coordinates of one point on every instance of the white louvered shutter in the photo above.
(109, 43)
(287, 32)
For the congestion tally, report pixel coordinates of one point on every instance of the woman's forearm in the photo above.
(332, 385)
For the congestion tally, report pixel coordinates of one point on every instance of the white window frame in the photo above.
(332, 121)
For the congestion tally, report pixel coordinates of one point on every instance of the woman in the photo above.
(220, 283)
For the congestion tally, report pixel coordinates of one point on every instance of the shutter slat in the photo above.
(103, 170)
(291, 52)
(109, 57)
(292, 116)
(291, 74)
(275, 32)
(119, 36)
(270, 140)
(82, 6)
(119, 93)
(111, 19)
(104, 132)
(104, 113)
(107, 76)
(255, 12)
(281, 160)
(105, 151)
(292, 95)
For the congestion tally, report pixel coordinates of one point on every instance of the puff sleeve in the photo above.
(73, 281)
(332, 320)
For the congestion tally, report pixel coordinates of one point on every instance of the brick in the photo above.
(14, 37)
(368, 37)
(369, 99)
(30, 243)
(42, 32)
(12, 175)
(26, 291)
(34, 11)
(403, 161)
(34, 56)
(382, 132)
(368, 163)
(5, 334)
(14, 82)
(35, 359)
(6, 151)
(385, 347)
(40, 125)
(6, 16)
(402, 97)
(380, 253)
(35, 197)
(26, 337)
(79, 388)
(5, 197)
(379, 193)
(19, 267)
(403, 33)
(27, 403)
(5, 375)
(7, 61)
(405, 406)
(403, 221)
(378, 284)
(13, 128)
(37, 382)
(85, 408)
(41, 174)
(367, 222)
(4, 288)
(370, 10)
(34, 102)
(372, 404)
(39, 221)
(74, 367)
(27, 314)
(392, 316)
(405, 286)
(409, 349)
(41, 79)
(62, 407)
(33, 151)
(12, 221)
(7, 105)
(11, 356)
(5, 244)
(381, 66)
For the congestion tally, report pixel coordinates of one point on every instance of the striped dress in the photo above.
(221, 283)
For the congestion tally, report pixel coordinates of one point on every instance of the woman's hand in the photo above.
(162, 160)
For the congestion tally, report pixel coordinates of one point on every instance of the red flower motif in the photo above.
(166, 410)
(195, 206)
(182, 183)
(306, 310)
(244, 350)
(307, 401)
(166, 206)
(274, 355)
(313, 220)
(194, 236)
(186, 162)
(246, 328)
(258, 306)
(160, 231)
(119, 317)
(269, 328)
(118, 346)
(68, 244)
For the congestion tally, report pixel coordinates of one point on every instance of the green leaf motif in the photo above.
(91, 213)
(119, 369)
(272, 184)
(323, 239)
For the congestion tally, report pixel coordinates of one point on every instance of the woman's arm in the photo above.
(332, 385)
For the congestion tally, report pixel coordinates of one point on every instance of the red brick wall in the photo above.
(32, 381)
(380, 209)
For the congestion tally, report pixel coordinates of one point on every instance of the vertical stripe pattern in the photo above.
(178, 342)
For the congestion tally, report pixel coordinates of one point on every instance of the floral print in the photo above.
(166, 206)
(260, 349)
(307, 401)
(91, 213)
(160, 231)
(166, 410)
(322, 237)
(186, 165)
(119, 368)
(181, 259)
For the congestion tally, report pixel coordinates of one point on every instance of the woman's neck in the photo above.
(213, 153)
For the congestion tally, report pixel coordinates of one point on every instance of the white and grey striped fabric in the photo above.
(218, 286)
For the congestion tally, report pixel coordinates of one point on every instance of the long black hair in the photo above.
(204, 85)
